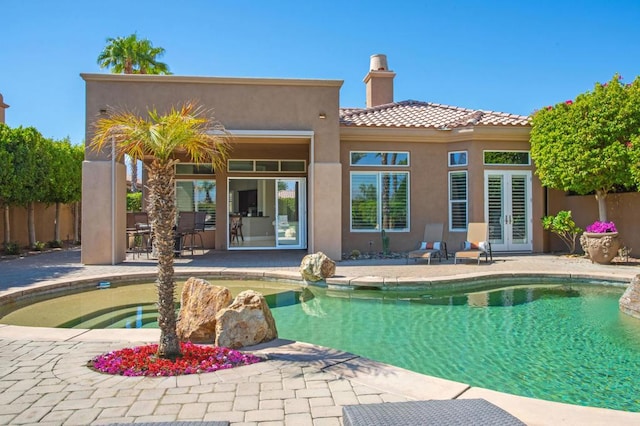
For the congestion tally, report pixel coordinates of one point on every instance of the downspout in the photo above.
(113, 201)
(311, 204)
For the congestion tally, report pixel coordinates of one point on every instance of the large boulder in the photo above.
(317, 267)
(247, 321)
(630, 300)
(199, 303)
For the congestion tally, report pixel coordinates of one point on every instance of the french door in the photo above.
(508, 209)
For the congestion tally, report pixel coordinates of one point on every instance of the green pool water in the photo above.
(553, 341)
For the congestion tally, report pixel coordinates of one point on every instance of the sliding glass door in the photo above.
(271, 213)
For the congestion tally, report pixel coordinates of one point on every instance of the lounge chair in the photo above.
(432, 412)
(477, 243)
(431, 245)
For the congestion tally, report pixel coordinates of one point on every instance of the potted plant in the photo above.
(601, 242)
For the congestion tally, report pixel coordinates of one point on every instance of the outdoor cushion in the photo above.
(433, 412)
(429, 245)
(471, 245)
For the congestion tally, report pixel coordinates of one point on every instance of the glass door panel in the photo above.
(290, 213)
(508, 210)
(495, 205)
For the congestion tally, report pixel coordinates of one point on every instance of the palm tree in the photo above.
(130, 55)
(190, 132)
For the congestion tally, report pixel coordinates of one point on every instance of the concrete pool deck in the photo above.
(43, 378)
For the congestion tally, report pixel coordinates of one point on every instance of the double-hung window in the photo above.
(458, 200)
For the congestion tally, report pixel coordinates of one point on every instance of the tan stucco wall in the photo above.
(97, 247)
(45, 216)
(262, 106)
(622, 209)
(429, 184)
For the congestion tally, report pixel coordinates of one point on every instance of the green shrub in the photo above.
(39, 246)
(11, 248)
(563, 225)
(134, 201)
(55, 244)
(355, 254)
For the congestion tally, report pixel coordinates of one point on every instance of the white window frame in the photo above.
(255, 161)
(506, 164)
(380, 165)
(452, 202)
(466, 158)
(379, 174)
(178, 180)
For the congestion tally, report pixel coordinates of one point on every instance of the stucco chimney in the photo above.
(3, 106)
(379, 81)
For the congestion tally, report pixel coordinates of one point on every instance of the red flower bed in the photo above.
(142, 361)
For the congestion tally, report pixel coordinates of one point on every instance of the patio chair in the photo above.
(185, 227)
(235, 228)
(197, 230)
(138, 233)
(477, 243)
(432, 244)
(432, 412)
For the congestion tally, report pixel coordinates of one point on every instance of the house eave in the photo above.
(412, 134)
(148, 78)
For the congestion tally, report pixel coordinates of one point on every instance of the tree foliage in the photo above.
(583, 145)
(130, 55)
(563, 225)
(189, 130)
(35, 169)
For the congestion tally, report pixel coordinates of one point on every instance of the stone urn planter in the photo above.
(600, 247)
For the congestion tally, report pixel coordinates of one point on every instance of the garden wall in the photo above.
(622, 209)
(44, 224)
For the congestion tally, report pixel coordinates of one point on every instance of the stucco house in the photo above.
(306, 174)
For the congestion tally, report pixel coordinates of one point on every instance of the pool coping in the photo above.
(349, 366)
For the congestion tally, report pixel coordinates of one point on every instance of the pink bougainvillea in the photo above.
(142, 361)
(601, 227)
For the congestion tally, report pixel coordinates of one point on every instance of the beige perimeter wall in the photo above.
(622, 209)
(45, 216)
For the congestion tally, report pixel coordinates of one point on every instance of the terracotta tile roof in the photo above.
(426, 115)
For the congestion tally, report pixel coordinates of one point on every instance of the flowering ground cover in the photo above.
(142, 361)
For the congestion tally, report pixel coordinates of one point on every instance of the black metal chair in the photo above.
(198, 228)
(185, 226)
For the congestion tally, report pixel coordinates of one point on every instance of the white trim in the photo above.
(271, 133)
(465, 152)
(380, 152)
(484, 151)
(378, 174)
(449, 201)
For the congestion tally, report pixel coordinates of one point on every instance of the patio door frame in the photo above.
(302, 227)
(508, 206)
(300, 233)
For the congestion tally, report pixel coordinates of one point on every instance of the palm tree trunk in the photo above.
(162, 212)
(134, 175)
(7, 225)
(76, 221)
(31, 224)
(56, 228)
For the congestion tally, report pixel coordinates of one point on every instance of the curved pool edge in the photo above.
(336, 282)
(371, 373)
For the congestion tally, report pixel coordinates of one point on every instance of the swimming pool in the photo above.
(560, 341)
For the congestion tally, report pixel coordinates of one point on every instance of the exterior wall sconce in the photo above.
(322, 116)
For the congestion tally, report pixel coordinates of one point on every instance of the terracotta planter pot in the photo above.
(600, 247)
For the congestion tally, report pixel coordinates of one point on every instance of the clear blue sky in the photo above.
(510, 56)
